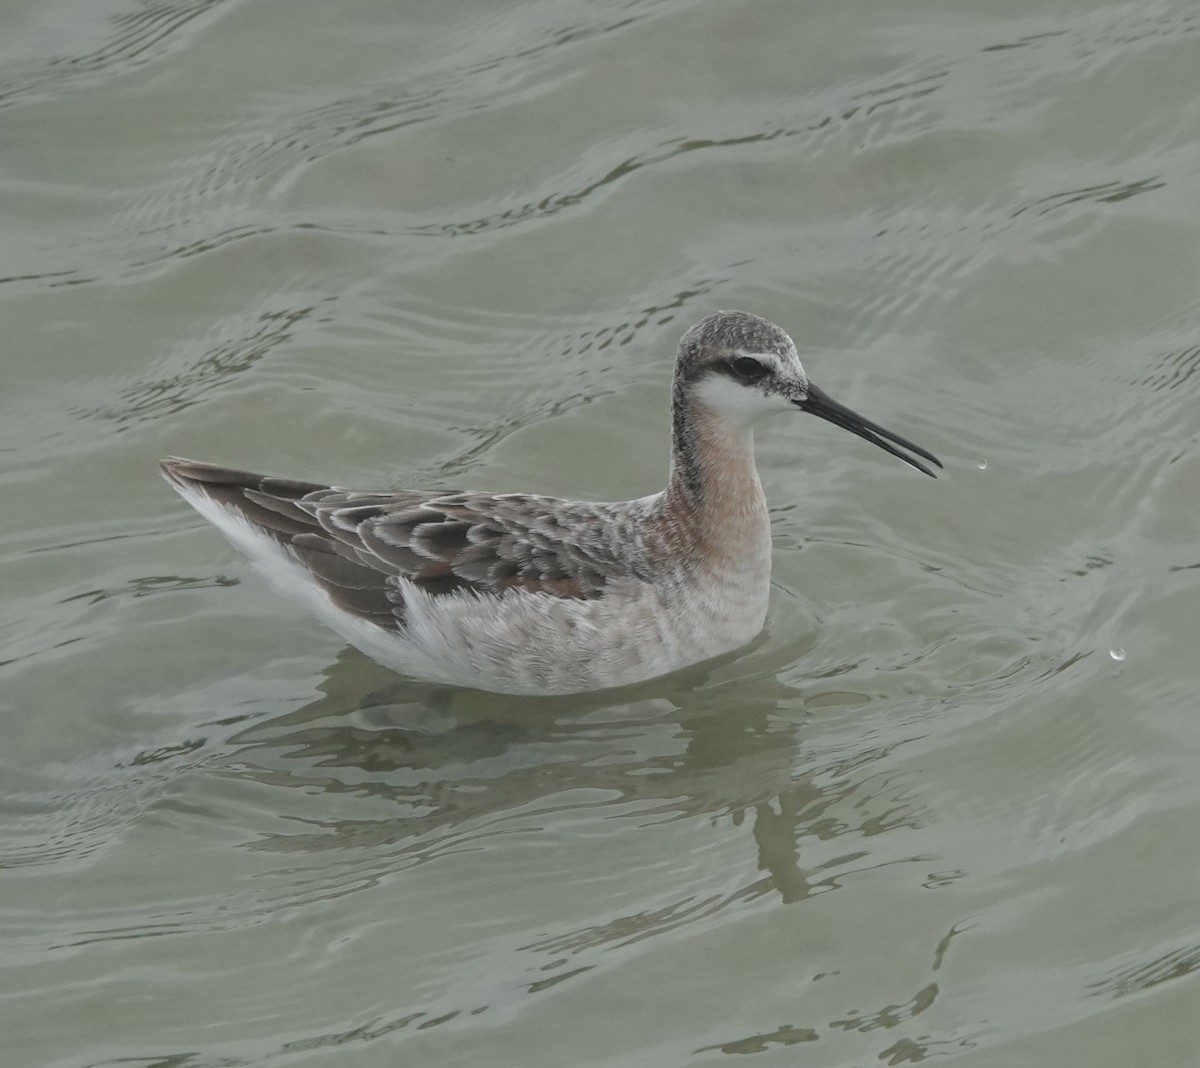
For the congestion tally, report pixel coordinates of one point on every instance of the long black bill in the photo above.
(817, 402)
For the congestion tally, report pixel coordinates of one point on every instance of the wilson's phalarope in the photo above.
(535, 595)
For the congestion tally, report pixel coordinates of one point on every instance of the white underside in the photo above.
(531, 643)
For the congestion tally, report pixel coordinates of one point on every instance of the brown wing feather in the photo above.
(356, 545)
(481, 546)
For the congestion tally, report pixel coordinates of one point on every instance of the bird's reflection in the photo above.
(391, 774)
(723, 741)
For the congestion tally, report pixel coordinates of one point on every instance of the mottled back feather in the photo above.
(356, 545)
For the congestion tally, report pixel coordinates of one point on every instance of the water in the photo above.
(931, 812)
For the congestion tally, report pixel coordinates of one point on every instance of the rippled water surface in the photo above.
(946, 806)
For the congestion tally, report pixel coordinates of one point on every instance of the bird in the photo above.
(518, 593)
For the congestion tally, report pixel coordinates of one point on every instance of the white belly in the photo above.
(540, 644)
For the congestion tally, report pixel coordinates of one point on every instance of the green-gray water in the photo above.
(947, 806)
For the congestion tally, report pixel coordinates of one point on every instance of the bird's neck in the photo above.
(713, 493)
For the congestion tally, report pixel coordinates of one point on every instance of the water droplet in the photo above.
(982, 465)
(1117, 653)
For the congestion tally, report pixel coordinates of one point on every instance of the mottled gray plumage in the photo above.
(532, 594)
(355, 544)
(716, 337)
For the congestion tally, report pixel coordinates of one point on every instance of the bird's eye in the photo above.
(747, 368)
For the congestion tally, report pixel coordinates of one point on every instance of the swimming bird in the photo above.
(524, 594)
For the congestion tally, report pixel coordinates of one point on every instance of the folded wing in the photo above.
(358, 545)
